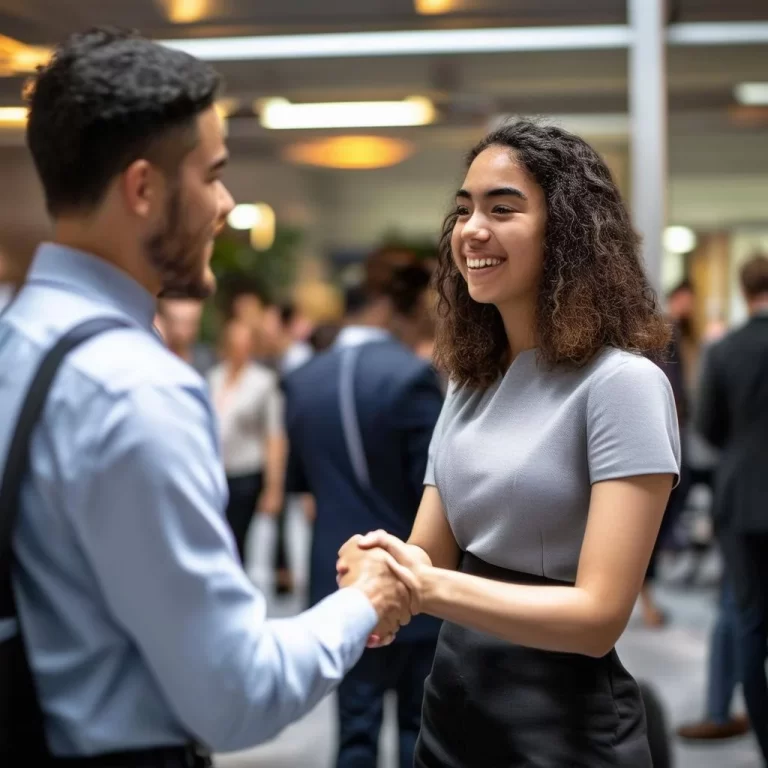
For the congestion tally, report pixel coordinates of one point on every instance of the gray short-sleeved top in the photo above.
(514, 464)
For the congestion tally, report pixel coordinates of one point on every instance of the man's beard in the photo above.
(177, 255)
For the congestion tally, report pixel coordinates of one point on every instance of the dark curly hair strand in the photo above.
(593, 292)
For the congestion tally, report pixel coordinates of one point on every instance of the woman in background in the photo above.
(250, 414)
(550, 467)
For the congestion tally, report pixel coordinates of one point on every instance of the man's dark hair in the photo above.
(357, 298)
(106, 99)
(233, 285)
(287, 312)
(406, 287)
(754, 276)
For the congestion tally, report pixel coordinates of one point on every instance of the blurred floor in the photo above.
(673, 659)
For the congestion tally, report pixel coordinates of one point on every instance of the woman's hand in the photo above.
(409, 560)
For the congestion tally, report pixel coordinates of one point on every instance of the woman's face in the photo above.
(238, 342)
(498, 239)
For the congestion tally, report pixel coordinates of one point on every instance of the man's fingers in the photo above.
(373, 539)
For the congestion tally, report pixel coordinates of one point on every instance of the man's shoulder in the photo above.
(127, 359)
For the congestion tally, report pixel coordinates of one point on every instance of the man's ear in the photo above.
(140, 187)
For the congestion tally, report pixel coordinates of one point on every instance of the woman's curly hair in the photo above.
(593, 292)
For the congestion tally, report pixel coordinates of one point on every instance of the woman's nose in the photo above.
(475, 229)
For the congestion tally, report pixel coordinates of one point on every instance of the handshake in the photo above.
(390, 573)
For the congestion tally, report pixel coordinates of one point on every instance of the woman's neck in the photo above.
(520, 326)
(235, 368)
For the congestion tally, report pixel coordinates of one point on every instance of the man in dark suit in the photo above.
(733, 416)
(359, 419)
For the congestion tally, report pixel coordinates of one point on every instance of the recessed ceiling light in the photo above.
(679, 240)
(351, 152)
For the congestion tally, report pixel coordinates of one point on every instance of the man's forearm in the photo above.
(297, 662)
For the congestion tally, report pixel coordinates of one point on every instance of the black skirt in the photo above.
(491, 704)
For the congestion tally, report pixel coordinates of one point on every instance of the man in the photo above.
(285, 332)
(733, 417)
(359, 420)
(180, 321)
(142, 631)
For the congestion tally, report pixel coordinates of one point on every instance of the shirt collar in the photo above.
(88, 275)
(355, 335)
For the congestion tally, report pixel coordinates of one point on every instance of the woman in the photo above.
(549, 470)
(249, 406)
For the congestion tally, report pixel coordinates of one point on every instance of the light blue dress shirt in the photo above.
(142, 628)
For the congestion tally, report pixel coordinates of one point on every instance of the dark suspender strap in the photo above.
(17, 461)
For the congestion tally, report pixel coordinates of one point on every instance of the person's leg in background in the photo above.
(244, 491)
(746, 561)
(360, 706)
(416, 666)
(723, 675)
(283, 575)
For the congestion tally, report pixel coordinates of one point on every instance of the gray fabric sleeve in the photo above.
(632, 426)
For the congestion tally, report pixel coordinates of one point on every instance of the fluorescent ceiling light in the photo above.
(281, 114)
(413, 42)
(718, 33)
(13, 116)
(752, 94)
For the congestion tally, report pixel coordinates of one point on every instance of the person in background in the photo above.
(179, 321)
(732, 415)
(676, 365)
(284, 330)
(247, 299)
(323, 336)
(413, 318)
(248, 403)
(359, 418)
(143, 634)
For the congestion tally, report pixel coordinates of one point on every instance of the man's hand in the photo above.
(270, 502)
(373, 574)
(407, 561)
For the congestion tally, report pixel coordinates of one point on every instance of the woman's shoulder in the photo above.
(623, 376)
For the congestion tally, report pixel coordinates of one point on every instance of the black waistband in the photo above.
(477, 567)
(162, 757)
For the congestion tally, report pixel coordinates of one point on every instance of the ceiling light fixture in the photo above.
(13, 117)
(350, 152)
(281, 114)
(752, 94)
(429, 7)
(405, 43)
(679, 240)
(20, 59)
(187, 11)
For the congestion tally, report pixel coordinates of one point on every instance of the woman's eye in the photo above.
(462, 210)
(502, 209)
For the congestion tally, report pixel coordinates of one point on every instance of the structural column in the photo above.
(648, 119)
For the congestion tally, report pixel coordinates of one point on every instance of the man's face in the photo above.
(196, 208)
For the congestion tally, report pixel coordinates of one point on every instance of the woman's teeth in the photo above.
(482, 263)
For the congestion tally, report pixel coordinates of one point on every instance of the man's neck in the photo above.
(89, 237)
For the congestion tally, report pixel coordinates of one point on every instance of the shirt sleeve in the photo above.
(149, 515)
(434, 443)
(632, 426)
